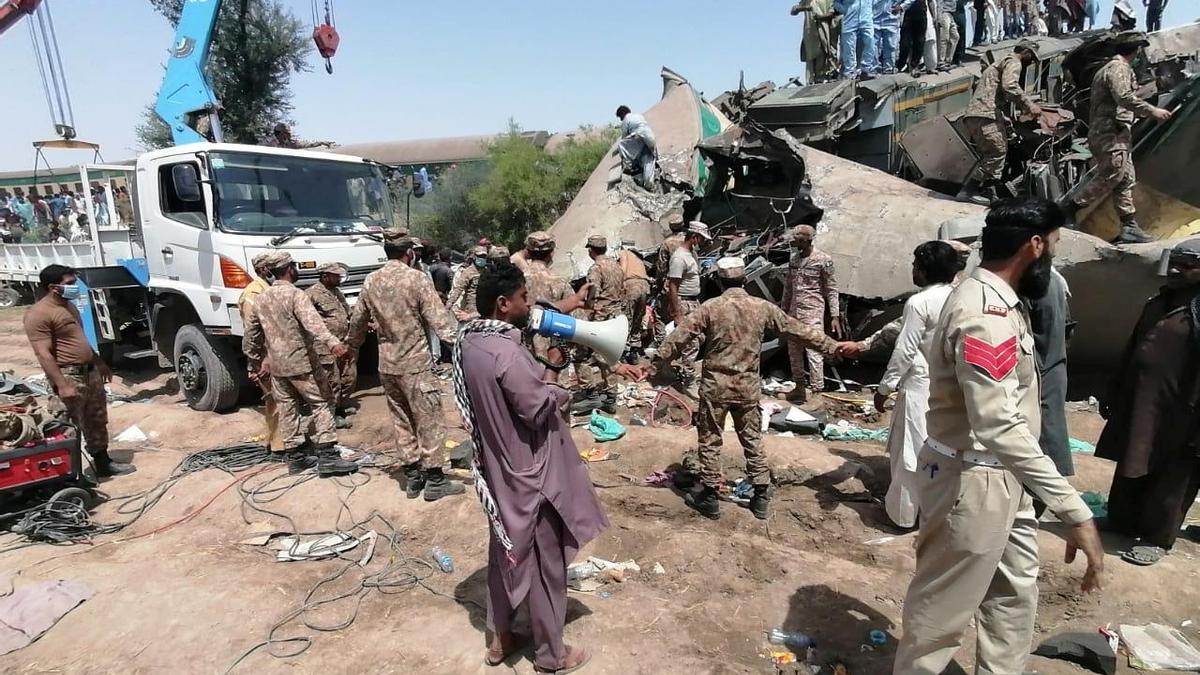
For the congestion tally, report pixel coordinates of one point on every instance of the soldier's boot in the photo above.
(760, 501)
(608, 402)
(301, 459)
(107, 467)
(330, 462)
(438, 486)
(1132, 233)
(583, 394)
(705, 502)
(414, 480)
(975, 193)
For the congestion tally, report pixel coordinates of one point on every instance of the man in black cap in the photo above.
(1114, 105)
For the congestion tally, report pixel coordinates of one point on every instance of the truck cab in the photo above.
(204, 210)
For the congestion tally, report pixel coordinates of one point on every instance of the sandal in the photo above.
(579, 653)
(1143, 556)
(500, 649)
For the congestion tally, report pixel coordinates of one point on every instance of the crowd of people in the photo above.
(847, 39)
(61, 216)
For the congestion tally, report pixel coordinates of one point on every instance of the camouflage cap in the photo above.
(394, 235)
(277, 259)
(259, 260)
(731, 267)
(539, 240)
(498, 252)
(1028, 46)
(1132, 37)
(332, 268)
(597, 241)
(479, 251)
(697, 227)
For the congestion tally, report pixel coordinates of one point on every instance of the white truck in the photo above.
(167, 284)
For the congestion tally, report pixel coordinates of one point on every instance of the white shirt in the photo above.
(920, 319)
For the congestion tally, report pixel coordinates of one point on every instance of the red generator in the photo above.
(49, 471)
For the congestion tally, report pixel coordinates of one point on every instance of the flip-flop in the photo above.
(598, 455)
(1143, 556)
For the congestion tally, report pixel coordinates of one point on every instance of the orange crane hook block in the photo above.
(325, 35)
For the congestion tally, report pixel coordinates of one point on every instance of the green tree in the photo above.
(527, 188)
(447, 215)
(257, 46)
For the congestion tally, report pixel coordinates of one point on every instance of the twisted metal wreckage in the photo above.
(873, 164)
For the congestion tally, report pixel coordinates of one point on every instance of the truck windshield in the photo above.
(273, 194)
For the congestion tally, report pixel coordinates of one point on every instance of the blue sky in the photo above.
(418, 70)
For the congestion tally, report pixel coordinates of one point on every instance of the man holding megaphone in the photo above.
(730, 327)
(536, 491)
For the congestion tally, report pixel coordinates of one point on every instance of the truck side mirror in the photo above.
(186, 183)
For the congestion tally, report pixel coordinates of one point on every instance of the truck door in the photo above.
(173, 207)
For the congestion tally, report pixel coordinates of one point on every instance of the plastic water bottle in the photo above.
(794, 640)
(444, 561)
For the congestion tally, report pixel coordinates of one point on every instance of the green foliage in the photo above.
(257, 46)
(528, 188)
(447, 215)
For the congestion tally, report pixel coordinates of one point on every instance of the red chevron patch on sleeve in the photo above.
(996, 360)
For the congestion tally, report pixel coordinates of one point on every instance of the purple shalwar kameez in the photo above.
(541, 487)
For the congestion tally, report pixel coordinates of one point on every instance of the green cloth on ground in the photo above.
(1082, 447)
(1097, 503)
(605, 428)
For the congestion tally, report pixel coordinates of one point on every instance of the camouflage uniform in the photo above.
(810, 289)
(466, 282)
(285, 327)
(985, 122)
(731, 328)
(332, 306)
(403, 304)
(1114, 107)
(543, 285)
(664, 254)
(245, 303)
(608, 293)
(88, 410)
(637, 294)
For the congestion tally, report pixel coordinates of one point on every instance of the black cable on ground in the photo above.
(65, 523)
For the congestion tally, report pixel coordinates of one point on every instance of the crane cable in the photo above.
(49, 60)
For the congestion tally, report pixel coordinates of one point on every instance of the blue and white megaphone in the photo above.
(607, 338)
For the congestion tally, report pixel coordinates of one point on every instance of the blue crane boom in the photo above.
(185, 89)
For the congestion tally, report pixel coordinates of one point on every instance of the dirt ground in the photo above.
(191, 598)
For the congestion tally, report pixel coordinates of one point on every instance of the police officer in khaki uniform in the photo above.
(1114, 106)
(977, 552)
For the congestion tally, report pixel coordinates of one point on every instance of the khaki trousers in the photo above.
(977, 555)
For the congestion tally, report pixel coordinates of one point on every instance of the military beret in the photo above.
(332, 268)
(597, 241)
(276, 259)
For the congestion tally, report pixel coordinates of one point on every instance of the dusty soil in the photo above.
(191, 598)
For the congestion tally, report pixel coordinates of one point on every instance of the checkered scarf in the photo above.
(484, 327)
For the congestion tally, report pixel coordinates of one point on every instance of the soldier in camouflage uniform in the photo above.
(542, 284)
(607, 301)
(637, 294)
(246, 305)
(809, 292)
(731, 327)
(403, 304)
(335, 311)
(1114, 105)
(462, 292)
(283, 330)
(985, 123)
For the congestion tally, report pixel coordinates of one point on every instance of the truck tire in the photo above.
(205, 369)
(9, 298)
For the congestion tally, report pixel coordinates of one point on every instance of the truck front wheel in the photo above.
(205, 369)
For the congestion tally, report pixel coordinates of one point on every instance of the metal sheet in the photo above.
(938, 151)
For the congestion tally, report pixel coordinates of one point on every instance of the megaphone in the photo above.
(607, 338)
